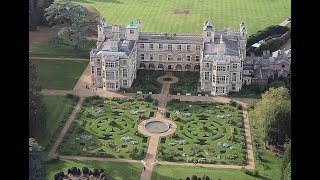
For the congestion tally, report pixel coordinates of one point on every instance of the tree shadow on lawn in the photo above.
(114, 170)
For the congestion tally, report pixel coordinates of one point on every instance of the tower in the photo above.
(102, 30)
(243, 41)
(132, 31)
(243, 30)
(208, 32)
(221, 46)
(139, 25)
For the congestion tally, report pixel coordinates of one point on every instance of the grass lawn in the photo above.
(107, 121)
(176, 172)
(50, 50)
(59, 74)
(58, 108)
(187, 83)
(214, 134)
(188, 16)
(115, 170)
(146, 81)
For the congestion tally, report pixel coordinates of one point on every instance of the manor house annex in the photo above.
(217, 54)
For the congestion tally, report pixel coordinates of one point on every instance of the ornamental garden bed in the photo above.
(205, 133)
(109, 130)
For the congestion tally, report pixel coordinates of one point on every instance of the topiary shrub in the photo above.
(57, 176)
(95, 172)
(233, 103)
(85, 170)
(194, 177)
(74, 171)
(78, 172)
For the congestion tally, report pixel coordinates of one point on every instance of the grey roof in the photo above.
(126, 46)
(230, 44)
(261, 73)
(248, 67)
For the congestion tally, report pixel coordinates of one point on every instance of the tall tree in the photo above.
(272, 116)
(71, 19)
(37, 166)
(286, 164)
(37, 111)
(33, 15)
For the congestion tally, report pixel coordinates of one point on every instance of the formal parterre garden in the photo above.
(109, 128)
(206, 132)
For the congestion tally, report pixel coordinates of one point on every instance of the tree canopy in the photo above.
(37, 166)
(37, 111)
(71, 20)
(272, 116)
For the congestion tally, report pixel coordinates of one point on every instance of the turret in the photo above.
(102, 30)
(208, 32)
(132, 31)
(139, 25)
(221, 46)
(243, 29)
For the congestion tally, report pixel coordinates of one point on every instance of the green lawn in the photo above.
(160, 16)
(210, 137)
(176, 172)
(50, 50)
(59, 74)
(107, 121)
(187, 83)
(58, 107)
(115, 170)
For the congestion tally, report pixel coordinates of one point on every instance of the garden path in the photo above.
(65, 128)
(81, 90)
(163, 97)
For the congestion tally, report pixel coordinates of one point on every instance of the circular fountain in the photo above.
(157, 127)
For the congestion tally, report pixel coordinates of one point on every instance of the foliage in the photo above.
(286, 163)
(248, 91)
(37, 166)
(36, 13)
(269, 31)
(37, 111)
(272, 116)
(273, 44)
(188, 82)
(85, 170)
(74, 98)
(71, 19)
(146, 81)
(54, 159)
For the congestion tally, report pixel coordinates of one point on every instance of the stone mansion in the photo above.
(217, 54)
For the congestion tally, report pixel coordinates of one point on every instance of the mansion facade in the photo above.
(121, 51)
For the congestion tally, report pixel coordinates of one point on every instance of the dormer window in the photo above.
(131, 31)
(208, 33)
